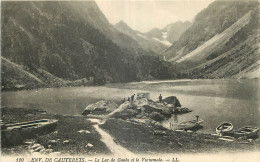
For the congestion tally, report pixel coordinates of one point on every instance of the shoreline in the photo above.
(133, 82)
(142, 138)
(137, 138)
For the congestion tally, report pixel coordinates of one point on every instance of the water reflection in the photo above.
(175, 118)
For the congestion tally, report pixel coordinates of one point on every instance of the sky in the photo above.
(144, 15)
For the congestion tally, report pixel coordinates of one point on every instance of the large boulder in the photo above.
(150, 109)
(101, 107)
(172, 100)
(163, 110)
(157, 116)
(140, 102)
(125, 114)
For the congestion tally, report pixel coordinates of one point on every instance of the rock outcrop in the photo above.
(144, 109)
(140, 110)
(101, 107)
(172, 100)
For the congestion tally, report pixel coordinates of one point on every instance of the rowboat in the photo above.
(224, 129)
(246, 131)
(188, 125)
(15, 133)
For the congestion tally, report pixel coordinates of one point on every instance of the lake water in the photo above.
(215, 101)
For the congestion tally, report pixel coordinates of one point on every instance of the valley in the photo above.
(85, 49)
(135, 78)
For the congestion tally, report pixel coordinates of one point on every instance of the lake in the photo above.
(215, 101)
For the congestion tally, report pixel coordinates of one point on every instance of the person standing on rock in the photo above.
(160, 98)
(132, 97)
(128, 99)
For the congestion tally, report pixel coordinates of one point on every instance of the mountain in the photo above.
(145, 42)
(222, 42)
(89, 12)
(175, 30)
(169, 33)
(124, 28)
(155, 33)
(64, 43)
(155, 40)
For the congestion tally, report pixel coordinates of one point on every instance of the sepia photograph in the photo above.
(130, 81)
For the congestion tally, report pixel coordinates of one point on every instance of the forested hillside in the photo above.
(70, 41)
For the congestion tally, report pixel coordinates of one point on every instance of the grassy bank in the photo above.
(140, 138)
(66, 139)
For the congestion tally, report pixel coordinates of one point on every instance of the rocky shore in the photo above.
(132, 125)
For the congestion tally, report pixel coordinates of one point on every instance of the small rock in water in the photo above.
(189, 131)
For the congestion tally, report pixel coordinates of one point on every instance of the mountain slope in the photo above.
(212, 47)
(169, 33)
(219, 39)
(70, 41)
(145, 42)
(241, 61)
(89, 12)
(175, 30)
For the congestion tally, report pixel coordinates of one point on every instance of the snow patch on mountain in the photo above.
(143, 36)
(164, 35)
(165, 42)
